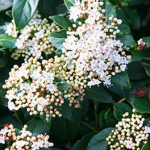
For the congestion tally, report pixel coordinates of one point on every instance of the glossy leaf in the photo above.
(142, 105)
(137, 56)
(110, 10)
(146, 146)
(23, 10)
(5, 4)
(98, 142)
(69, 3)
(7, 41)
(147, 70)
(98, 94)
(37, 126)
(61, 84)
(58, 38)
(82, 144)
(110, 119)
(121, 79)
(120, 109)
(2, 62)
(102, 121)
(61, 21)
(64, 129)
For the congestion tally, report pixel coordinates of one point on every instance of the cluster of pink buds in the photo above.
(141, 44)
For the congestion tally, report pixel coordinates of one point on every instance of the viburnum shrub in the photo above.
(77, 71)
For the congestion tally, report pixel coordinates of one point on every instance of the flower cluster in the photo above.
(33, 38)
(24, 140)
(35, 86)
(141, 44)
(129, 134)
(93, 44)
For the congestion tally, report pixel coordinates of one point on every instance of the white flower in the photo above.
(11, 105)
(147, 129)
(35, 145)
(2, 140)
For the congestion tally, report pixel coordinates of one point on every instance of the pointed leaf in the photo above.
(61, 21)
(120, 109)
(7, 41)
(69, 3)
(141, 105)
(98, 142)
(5, 4)
(98, 94)
(23, 10)
(37, 126)
(121, 79)
(58, 38)
(146, 146)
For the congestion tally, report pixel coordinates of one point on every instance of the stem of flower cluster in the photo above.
(146, 58)
(123, 99)
(88, 126)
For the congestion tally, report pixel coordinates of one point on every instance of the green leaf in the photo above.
(142, 105)
(2, 62)
(137, 56)
(47, 123)
(9, 13)
(135, 2)
(5, 4)
(20, 116)
(120, 109)
(7, 41)
(132, 17)
(102, 121)
(58, 38)
(37, 126)
(98, 94)
(124, 27)
(136, 71)
(121, 91)
(147, 70)
(126, 39)
(110, 10)
(61, 21)
(61, 10)
(98, 142)
(64, 129)
(69, 3)
(61, 84)
(82, 144)
(121, 79)
(67, 111)
(59, 52)
(23, 10)
(146, 146)
(45, 148)
(10, 120)
(110, 119)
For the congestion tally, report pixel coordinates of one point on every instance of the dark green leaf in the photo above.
(136, 71)
(132, 17)
(47, 123)
(110, 10)
(23, 10)
(126, 39)
(82, 144)
(110, 119)
(67, 111)
(98, 142)
(7, 41)
(98, 94)
(120, 109)
(69, 3)
(58, 38)
(37, 126)
(137, 56)
(61, 9)
(141, 105)
(124, 27)
(61, 21)
(121, 79)
(2, 62)
(61, 84)
(147, 70)
(5, 4)
(102, 121)
(20, 116)
(121, 91)
(64, 129)
(146, 146)
(10, 120)
(136, 2)
(9, 13)
(59, 52)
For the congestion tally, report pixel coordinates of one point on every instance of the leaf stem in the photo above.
(146, 58)
(88, 126)
(123, 99)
